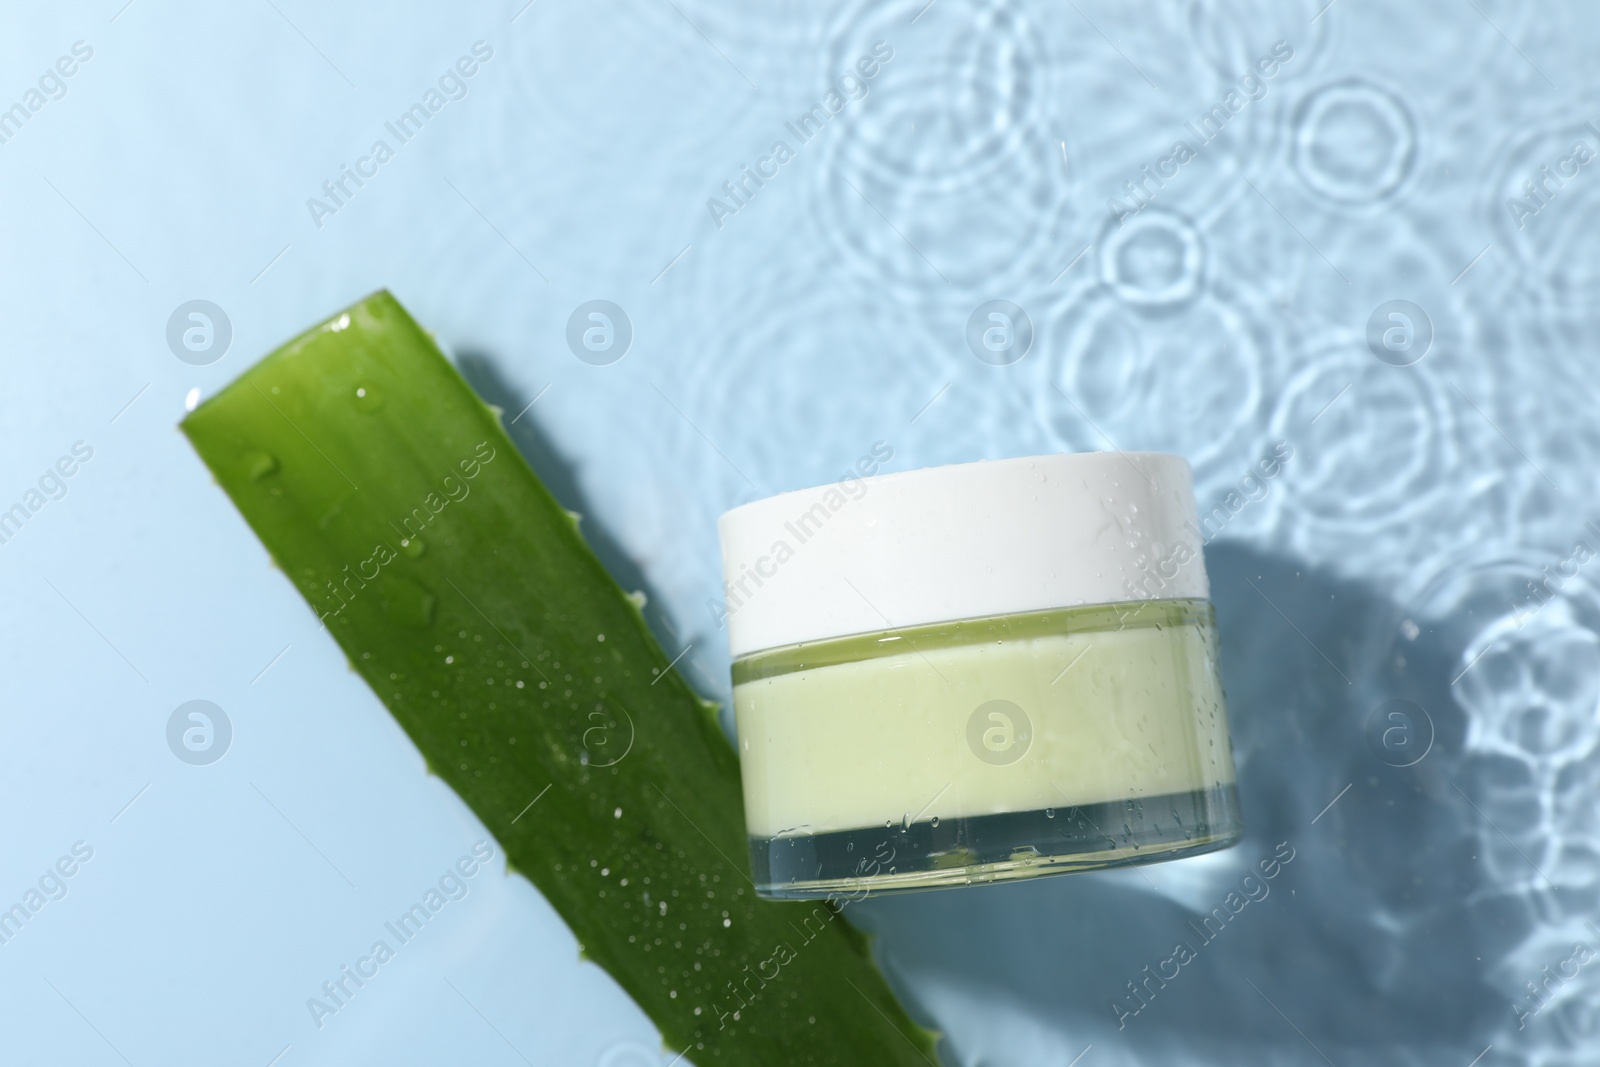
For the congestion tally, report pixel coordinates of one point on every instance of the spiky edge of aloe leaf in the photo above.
(488, 650)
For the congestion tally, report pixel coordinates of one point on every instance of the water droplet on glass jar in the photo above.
(413, 547)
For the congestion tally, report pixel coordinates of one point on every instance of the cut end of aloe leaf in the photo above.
(466, 597)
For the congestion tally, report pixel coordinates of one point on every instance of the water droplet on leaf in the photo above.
(368, 398)
(407, 602)
(257, 465)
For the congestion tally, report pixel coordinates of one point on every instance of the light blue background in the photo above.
(1388, 559)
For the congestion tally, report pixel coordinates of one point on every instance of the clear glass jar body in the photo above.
(985, 750)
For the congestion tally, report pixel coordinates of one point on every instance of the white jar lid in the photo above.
(867, 555)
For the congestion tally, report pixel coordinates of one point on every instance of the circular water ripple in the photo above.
(1154, 259)
(1176, 120)
(783, 367)
(992, 231)
(1355, 142)
(1532, 684)
(939, 121)
(1388, 256)
(1528, 628)
(1230, 34)
(942, 174)
(1543, 202)
(1372, 442)
(1187, 379)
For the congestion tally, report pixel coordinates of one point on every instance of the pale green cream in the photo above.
(1117, 702)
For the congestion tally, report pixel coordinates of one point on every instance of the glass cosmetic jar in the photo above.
(976, 673)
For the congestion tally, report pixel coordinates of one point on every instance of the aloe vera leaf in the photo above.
(392, 498)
